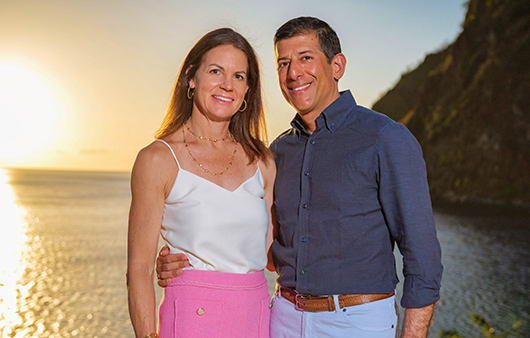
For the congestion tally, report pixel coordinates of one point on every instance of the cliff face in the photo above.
(469, 106)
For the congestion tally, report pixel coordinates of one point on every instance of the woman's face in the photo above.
(220, 83)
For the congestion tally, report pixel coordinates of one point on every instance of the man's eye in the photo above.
(283, 64)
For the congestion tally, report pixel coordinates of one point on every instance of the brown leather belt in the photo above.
(317, 303)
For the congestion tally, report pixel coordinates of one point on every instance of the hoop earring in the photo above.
(245, 102)
(188, 93)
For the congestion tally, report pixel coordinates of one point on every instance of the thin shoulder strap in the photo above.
(175, 157)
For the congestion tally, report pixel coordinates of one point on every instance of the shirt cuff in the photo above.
(419, 292)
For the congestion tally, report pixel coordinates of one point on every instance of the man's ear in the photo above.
(339, 66)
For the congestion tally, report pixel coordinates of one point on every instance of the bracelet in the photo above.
(152, 335)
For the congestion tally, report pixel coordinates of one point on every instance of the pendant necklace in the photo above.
(212, 140)
(207, 138)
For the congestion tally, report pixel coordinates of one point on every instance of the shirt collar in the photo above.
(333, 115)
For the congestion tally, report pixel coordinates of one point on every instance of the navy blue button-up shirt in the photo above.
(344, 195)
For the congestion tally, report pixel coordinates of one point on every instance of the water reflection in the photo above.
(63, 257)
(12, 240)
(71, 276)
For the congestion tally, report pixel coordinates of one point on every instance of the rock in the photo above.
(469, 107)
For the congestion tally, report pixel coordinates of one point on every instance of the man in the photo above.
(350, 184)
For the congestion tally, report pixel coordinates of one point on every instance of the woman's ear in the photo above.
(191, 82)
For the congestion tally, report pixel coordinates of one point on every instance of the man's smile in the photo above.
(297, 89)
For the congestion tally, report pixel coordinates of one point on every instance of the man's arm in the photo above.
(404, 197)
(169, 266)
(417, 322)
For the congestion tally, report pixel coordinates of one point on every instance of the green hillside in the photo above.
(469, 106)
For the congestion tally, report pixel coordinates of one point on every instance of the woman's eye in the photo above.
(214, 71)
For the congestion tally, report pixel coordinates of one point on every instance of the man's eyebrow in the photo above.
(305, 52)
(298, 54)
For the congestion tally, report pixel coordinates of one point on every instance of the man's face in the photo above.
(306, 78)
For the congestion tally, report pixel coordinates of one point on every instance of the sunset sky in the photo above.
(84, 84)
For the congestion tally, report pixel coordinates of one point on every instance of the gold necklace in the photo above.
(200, 164)
(207, 138)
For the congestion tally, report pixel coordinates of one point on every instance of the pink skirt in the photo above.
(215, 304)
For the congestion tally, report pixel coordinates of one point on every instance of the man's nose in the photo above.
(295, 70)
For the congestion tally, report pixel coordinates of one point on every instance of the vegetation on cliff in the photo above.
(469, 106)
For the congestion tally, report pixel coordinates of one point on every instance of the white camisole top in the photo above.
(218, 229)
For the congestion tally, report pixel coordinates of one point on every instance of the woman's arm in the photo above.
(148, 189)
(268, 170)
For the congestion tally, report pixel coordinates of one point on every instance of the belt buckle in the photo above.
(299, 296)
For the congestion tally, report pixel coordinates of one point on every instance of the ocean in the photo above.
(63, 259)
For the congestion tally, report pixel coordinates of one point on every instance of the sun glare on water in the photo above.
(29, 110)
(12, 240)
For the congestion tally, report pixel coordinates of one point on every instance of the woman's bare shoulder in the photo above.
(156, 159)
(268, 169)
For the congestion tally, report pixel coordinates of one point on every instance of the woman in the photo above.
(206, 185)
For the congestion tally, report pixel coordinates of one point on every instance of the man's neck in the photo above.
(310, 118)
(310, 122)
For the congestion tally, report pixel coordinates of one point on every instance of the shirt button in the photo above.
(302, 272)
(306, 173)
(304, 206)
(200, 311)
(303, 240)
(312, 141)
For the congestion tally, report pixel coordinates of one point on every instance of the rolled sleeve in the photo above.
(406, 206)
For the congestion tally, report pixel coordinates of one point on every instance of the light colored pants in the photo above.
(372, 320)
